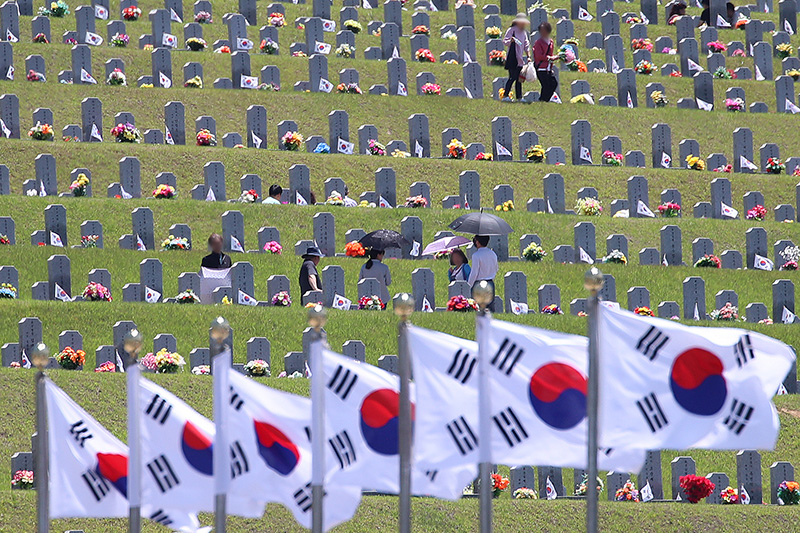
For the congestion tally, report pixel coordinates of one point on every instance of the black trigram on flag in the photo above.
(462, 435)
(462, 366)
(652, 413)
(239, 464)
(343, 449)
(506, 357)
(161, 517)
(743, 350)
(162, 473)
(80, 432)
(431, 475)
(302, 497)
(97, 484)
(510, 427)
(738, 417)
(342, 382)
(236, 400)
(158, 409)
(651, 343)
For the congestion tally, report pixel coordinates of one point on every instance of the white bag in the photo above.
(528, 72)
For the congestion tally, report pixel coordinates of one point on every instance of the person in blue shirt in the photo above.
(459, 266)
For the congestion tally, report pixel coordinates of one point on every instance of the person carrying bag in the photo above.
(516, 39)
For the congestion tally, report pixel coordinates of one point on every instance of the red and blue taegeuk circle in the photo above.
(558, 395)
(114, 467)
(197, 449)
(697, 382)
(380, 420)
(277, 450)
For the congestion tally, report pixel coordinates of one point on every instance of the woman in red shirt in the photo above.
(543, 57)
(516, 39)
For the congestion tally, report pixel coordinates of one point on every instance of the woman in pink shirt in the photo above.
(543, 57)
(516, 39)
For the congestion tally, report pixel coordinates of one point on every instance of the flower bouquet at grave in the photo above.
(675, 74)
(164, 192)
(583, 98)
(126, 133)
(400, 154)
(695, 163)
(767, 320)
(793, 73)
(40, 38)
(552, 309)
(717, 47)
(741, 23)
(201, 370)
(249, 196)
(627, 493)
(282, 299)
(727, 313)
(669, 51)
(499, 484)
(257, 367)
(22, 479)
(149, 362)
(72, 42)
(633, 19)
(424, 55)
(203, 17)
(708, 261)
(612, 158)
(187, 297)
(364, 203)
(206, 138)
(696, 487)
(524, 493)
(278, 20)
(421, 30)
(784, 50)
(348, 88)
(225, 301)
(456, 149)
(645, 67)
(175, 243)
(131, 13)
(583, 486)
(224, 49)
(273, 87)
(449, 62)
(461, 304)
(508, 205)
(41, 132)
(790, 254)
(484, 156)
(493, 32)
(774, 166)
(197, 44)
(788, 493)
(14, 364)
(58, 10)
(643, 311)
(117, 78)
(35, 76)
(659, 99)
(354, 249)
(432, 89)
(148, 48)
(345, 50)
(120, 40)
(375, 148)
(95, 292)
(535, 153)
(353, 25)
(335, 199)
(669, 210)
(292, 141)
(371, 303)
(568, 52)
(726, 169)
(533, 253)
(273, 247)
(616, 257)
(167, 362)
(723, 73)
(107, 367)
(4, 240)
(79, 185)
(416, 201)
(758, 212)
(89, 241)
(588, 207)
(70, 359)
(8, 291)
(642, 44)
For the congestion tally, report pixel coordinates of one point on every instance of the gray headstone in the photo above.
(694, 295)
(779, 471)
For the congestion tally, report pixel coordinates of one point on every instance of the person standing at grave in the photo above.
(516, 39)
(543, 58)
(374, 268)
(459, 266)
(484, 263)
(275, 192)
(309, 277)
(217, 259)
(678, 9)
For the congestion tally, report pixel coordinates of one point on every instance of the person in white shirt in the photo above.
(374, 268)
(484, 263)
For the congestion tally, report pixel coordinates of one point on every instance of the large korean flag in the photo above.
(274, 429)
(665, 385)
(88, 468)
(362, 404)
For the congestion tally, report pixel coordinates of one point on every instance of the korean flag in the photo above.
(140, 247)
(173, 16)
(746, 163)
(722, 23)
(236, 246)
(249, 82)
(151, 296)
(426, 305)
(87, 78)
(55, 240)
(325, 86)
(168, 136)
(791, 107)
(10, 37)
(414, 249)
(762, 263)
(244, 44)
(60, 294)
(125, 194)
(693, 66)
(243, 298)
(328, 25)
(164, 80)
(95, 133)
(6, 130)
(167, 39)
(93, 39)
(10, 73)
(299, 200)
(401, 89)
(257, 141)
(502, 150)
(345, 147)
(340, 302)
(322, 48)
(642, 209)
(666, 160)
(585, 154)
(384, 203)
(210, 196)
(584, 15)
(728, 211)
(518, 308)
(100, 12)
(703, 105)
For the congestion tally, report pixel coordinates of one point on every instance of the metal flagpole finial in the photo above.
(317, 317)
(132, 343)
(403, 305)
(593, 280)
(483, 294)
(220, 329)
(40, 355)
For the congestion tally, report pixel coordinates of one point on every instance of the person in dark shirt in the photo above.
(705, 16)
(309, 277)
(217, 259)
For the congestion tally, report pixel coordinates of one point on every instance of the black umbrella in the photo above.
(480, 223)
(383, 239)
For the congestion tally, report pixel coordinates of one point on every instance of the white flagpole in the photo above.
(220, 363)
(132, 344)
(316, 319)
(403, 305)
(484, 294)
(39, 357)
(593, 282)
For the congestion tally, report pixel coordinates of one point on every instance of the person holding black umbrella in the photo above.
(484, 263)
(309, 277)
(374, 268)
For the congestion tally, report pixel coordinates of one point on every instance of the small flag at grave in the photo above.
(26, 363)
(167, 39)
(95, 133)
(245, 299)
(328, 25)
(418, 151)
(696, 314)
(787, 317)
(550, 490)
(299, 200)
(426, 305)
(87, 78)
(781, 390)
(584, 15)
(585, 257)
(467, 58)
(549, 207)
(151, 296)
(759, 75)
(721, 22)
(140, 247)
(645, 20)
(555, 98)
(164, 80)
(744, 497)
(585, 154)
(746, 163)
(322, 48)
(502, 150)
(664, 262)
(401, 89)
(615, 66)
(466, 202)
(414, 249)
(345, 147)
(10, 73)
(666, 160)
(236, 246)
(210, 196)
(382, 202)
(395, 53)
(42, 191)
(325, 86)
(703, 105)
(93, 39)
(629, 100)
(61, 294)
(432, 7)
(647, 492)
(125, 194)
(55, 240)
(762, 263)
(366, 5)
(256, 139)
(642, 209)
(249, 82)
(791, 107)
(518, 308)
(100, 12)
(469, 93)
(728, 211)
(693, 65)
(787, 27)
(244, 44)
(341, 303)
(168, 136)
(6, 131)
(10, 37)
(174, 16)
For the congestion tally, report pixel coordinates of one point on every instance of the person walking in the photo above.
(309, 277)
(374, 268)
(459, 266)
(484, 264)
(516, 39)
(543, 58)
